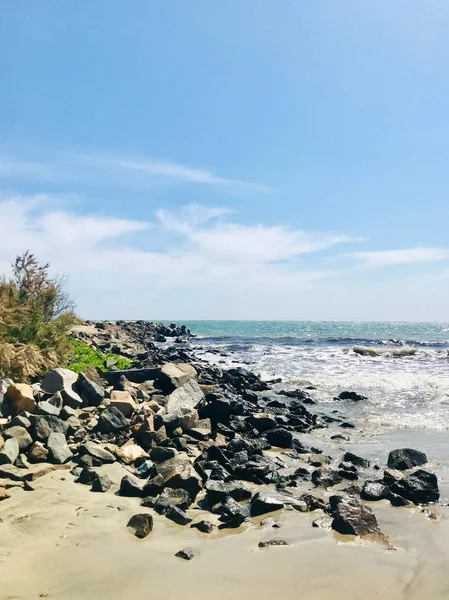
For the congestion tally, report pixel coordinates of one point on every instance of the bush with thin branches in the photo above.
(36, 314)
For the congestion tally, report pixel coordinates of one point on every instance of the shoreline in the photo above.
(322, 562)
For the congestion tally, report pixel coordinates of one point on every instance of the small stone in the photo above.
(375, 490)
(349, 457)
(101, 484)
(142, 524)
(185, 554)
(268, 543)
(87, 476)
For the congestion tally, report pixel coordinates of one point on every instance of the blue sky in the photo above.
(239, 159)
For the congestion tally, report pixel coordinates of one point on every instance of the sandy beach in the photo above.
(63, 541)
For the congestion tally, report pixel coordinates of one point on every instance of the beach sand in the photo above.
(63, 541)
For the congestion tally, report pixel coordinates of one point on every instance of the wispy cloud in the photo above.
(386, 258)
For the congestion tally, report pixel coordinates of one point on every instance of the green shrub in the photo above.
(82, 356)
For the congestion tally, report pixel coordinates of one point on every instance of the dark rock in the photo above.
(231, 509)
(160, 454)
(268, 543)
(142, 524)
(352, 396)
(87, 476)
(130, 486)
(396, 500)
(261, 504)
(339, 436)
(91, 392)
(420, 487)
(43, 425)
(375, 490)
(21, 435)
(355, 460)
(47, 408)
(112, 420)
(170, 497)
(262, 422)
(184, 477)
(154, 486)
(232, 523)
(279, 437)
(178, 516)
(217, 491)
(217, 409)
(203, 526)
(325, 477)
(185, 554)
(101, 484)
(406, 458)
(353, 518)
(219, 473)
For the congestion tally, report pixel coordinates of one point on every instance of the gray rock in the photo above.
(323, 522)
(96, 451)
(19, 421)
(173, 376)
(160, 454)
(172, 497)
(9, 452)
(43, 425)
(261, 504)
(178, 516)
(91, 392)
(101, 484)
(349, 457)
(112, 420)
(59, 451)
(189, 394)
(71, 398)
(375, 490)
(130, 486)
(67, 412)
(185, 554)
(325, 477)
(21, 435)
(58, 380)
(406, 458)
(217, 491)
(46, 408)
(186, 478)
(279, 437)
(353, 518)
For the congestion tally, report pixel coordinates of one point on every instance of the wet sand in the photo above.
(63, 541)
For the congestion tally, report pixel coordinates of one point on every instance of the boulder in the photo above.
(58, 380)
(21, 435)
(46, 408)
(90, 391)
(101, 484)
(184, 477)
(130, 486)
(218, 491)
(19, 398)
(189, 394)
(217, 409)
(43, 425)
(375, 490)
(279, 437)
(231, 509)
(38, 453)
(173, 376)
(262, 504)
(9, 452)
(96, 451)
(141, 524)
(124, 402)
(325, 477)
(59, 452)
(176, 514)
(349, 457)
(71, 398)
(406, 458)
(112, 420)
(262, 422)
(420, 487)
(351, 396)
(185, 417)
(353, 518)
(130, 452)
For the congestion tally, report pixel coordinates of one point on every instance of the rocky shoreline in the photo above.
(194, 437)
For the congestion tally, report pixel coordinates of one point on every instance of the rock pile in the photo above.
(190, 436)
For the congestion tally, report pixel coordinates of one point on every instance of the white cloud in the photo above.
(388, 258)
(210, 260)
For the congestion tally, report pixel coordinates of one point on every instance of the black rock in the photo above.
(154, 486)
(268, 543)
(111, 420)
(231, 509)
(420, 487)
(375, 490)
(142, 524)
(355, 460)
(44, 425)
(101, 484)
(178, 516)
(396, 500)
(91, 392)
(352, 396)
(325, 477)
(279, 437)
(130, 486)
(185, 554)
(203, 526)
(172, 497)
(160, 454)
(353, 518)
(406, 458)
(261, 504)
(219, 473)
(87, 476)
(217, 491)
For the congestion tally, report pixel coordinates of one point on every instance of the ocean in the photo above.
(402, 369)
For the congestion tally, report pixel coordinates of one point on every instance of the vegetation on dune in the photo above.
(82, 356)
(36, 314)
